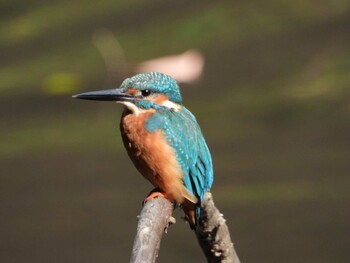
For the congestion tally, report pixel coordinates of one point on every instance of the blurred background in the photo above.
(267, 80)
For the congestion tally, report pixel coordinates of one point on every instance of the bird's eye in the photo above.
(146, 92)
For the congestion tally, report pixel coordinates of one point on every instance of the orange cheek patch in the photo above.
(159, 99)
(133, 91)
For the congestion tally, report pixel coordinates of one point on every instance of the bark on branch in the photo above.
(212, 232)
(153, 220)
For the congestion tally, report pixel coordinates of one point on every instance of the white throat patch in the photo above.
(132, 107)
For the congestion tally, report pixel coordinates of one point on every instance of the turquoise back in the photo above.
(184, 135)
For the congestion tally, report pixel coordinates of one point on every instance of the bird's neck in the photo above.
(134, 120)
(131, 108)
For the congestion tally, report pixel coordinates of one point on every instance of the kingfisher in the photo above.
(163, 139)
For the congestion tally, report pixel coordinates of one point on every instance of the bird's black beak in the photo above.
(105, 95)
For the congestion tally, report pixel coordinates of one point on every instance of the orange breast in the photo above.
(153, 157)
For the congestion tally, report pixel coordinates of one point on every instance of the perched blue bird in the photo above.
(163, 139)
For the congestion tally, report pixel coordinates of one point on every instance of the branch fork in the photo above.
(212, 232)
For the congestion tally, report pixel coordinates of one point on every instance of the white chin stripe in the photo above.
(171, 105)
(132, 107)
(136, 110)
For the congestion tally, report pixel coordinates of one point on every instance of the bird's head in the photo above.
(142, 92)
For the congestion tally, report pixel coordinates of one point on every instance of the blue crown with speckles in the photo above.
(157, 83)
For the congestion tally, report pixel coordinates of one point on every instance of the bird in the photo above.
(163, 139)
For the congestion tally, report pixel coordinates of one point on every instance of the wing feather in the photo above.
(183, 133)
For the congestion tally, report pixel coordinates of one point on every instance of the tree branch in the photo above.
(212, 232)
(155, 217)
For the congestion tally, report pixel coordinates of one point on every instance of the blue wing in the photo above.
(183, 133)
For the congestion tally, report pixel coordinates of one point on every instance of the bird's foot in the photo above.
(155, 193)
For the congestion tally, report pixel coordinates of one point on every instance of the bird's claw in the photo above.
(155, 193)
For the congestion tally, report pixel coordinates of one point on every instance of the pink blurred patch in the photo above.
(185, 67)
